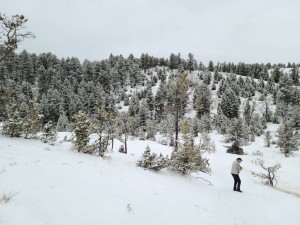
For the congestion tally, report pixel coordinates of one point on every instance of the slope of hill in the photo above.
(53, 185)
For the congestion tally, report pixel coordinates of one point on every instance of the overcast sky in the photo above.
(220, 30)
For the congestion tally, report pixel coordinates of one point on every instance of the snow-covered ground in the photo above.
(53, 185)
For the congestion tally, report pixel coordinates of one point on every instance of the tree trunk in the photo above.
(176, 129)
(125, 143)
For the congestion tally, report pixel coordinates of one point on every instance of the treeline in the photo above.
(51, 89)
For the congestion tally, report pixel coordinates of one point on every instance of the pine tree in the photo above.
(207, 78)
(203, 100)
(211, 66)
(62, 122)
(237, 134)
(14, 125)
(276, 74)
(205, 124)
(177, 98)
(188, 158)
(257, 124)
(230, 104)
(268, 138)
(286, 141)
(100, 126)
(206, 144)
(191, 62)
(81, 131)
(216, 77)
(152, 161)
(295, 118)
(151, 129)
(143, 114)
(49, 133)
(247, 112)
(32, 121)
(295, 75)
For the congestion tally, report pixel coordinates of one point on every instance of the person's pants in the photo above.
(237, 182)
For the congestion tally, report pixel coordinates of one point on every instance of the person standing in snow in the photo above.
(235, 170)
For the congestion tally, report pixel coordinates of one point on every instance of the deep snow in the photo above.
(56, 186)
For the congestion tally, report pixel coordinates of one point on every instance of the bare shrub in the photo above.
(257, 153)
(4, 198)
(269, 177)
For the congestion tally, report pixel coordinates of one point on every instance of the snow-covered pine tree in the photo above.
(14, 125)
(256, 124)
(205, 124)
(150, 130)
(216, 77)
(49, 134)
(295, 117)
(207, 78)
(81, 131)
(203, 100)
(191, 62)
(237, 134)
(247, 113)
(177, 98)
(295, 75)
(32, 121)
(287, 141)
(276, 74)
(268, 138)
(100, 126)
(152, 161)
(206, 144)
(62, 122)
(188, 158)
(230, 104)
(23, 109)
(125, 124)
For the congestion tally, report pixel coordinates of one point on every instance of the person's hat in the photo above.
(239, 159)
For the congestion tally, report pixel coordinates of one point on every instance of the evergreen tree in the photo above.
(32, 121)
(295, 118)
(152, 161)
(14, 125)
(295, 75)
(268, 138)
(62, 122)
(188, 158)
(237, 134)
(100, 126)
(81, 131)
(287, 141)
(203, 100)
(191, 63)
(257, 124)
(276, 74)
(177, 98)
(247, 113)
(205, 124)
(216, 77)
(206, 144)
(211, 66)
(207, 78)
(230, 104)
(150, 129)
(49, 133)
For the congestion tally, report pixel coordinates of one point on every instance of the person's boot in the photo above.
(239, 190)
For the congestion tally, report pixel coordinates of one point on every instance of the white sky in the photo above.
(220, 30)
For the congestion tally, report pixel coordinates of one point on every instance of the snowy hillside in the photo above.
(53, 185)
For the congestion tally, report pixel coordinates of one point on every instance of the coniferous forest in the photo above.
(124, 96)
